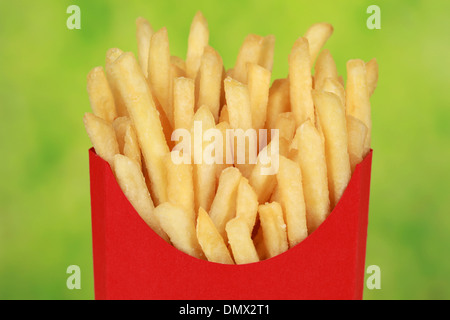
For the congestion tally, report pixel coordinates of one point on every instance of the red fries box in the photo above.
(132, 262)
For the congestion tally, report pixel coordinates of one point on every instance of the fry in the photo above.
(357, 96)
(279, 101)
(333, 124)
(210, 240)
(179, 227)
(260, 246)
(240, 117)
(246, 203)
(372, 75)
(197, 41)
(204, 173)
(159, 71)
(180, 185)
(131, 181)
(274, 228)
(120, 126)
(240, 240)
(100, 95)
(317, 35)
(209, 79)
(290, 187)
(131, 145)
(102, 136)
(334, 86)
(267, 52)
(112, 55)
(325, 67)
(248, 53)
(357, 131)
(238, 104)
(258, 88)
(286, 125)
(300, 81)
(313, 165)
(183, 102)
(264, 184)
(144, 32)
(223, 207)
(138, 99)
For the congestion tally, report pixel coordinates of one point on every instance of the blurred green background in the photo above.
(44, 182)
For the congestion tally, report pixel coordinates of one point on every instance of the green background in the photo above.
(44, 183)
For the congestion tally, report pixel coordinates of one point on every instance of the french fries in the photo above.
(100, 95)
(248, 53)
(310, 155)
(289, 181)
(372, 75)
(159, 71)
(325, 68)
(300, 82)
(179, 227)
(183, 102)
(210, 240)
(144, 32)
(141, 107)
(209, 81)
(228, 164)
(357, 96)
(333, 123)
(131, 180)
(357, 132)
(258, 86)
(102, 136)
(317, 35)
(274, 228)
(239, 237)
(223, 208)
(198, 40)
(204, 173)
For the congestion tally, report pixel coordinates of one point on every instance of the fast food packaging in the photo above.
(132, 262)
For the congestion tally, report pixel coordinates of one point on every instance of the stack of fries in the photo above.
(247, 206)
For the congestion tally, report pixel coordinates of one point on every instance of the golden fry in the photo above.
(289, 181)
(357, 132)
(159, 71)
(211, 241)
(198, 40)
(300, 81)
(334, 127)
(100, 95)
(180, 228)
(274, 229)
(357, 96)
(144, 32)
(131, 181)
(102, 136)
(317, 35)
(311, 158)
(209, 81)
(223, 207)
(144, 115)
(240, 240)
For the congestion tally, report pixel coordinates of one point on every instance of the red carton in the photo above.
(132, 262)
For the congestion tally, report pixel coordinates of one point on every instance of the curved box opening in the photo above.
(132, 262)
